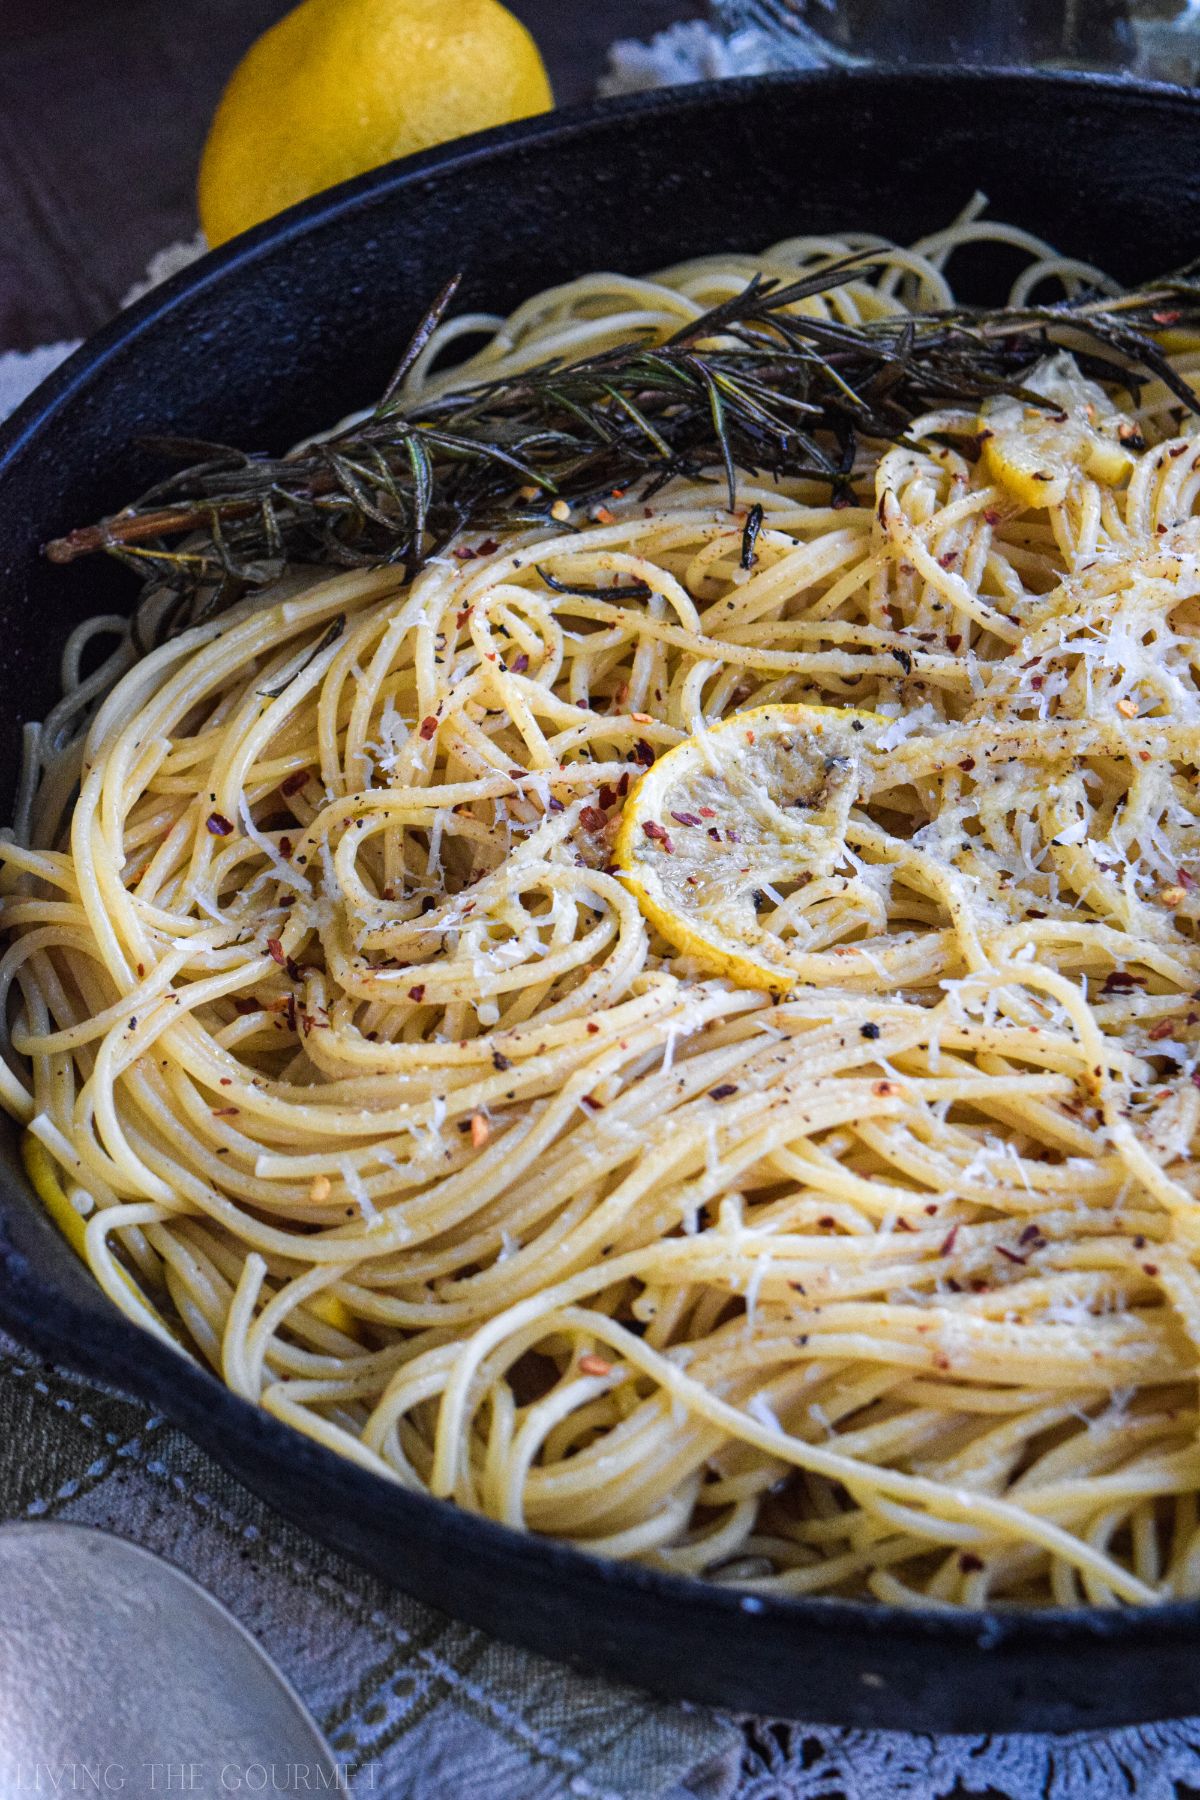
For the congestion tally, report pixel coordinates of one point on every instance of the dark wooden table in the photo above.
(103, 109)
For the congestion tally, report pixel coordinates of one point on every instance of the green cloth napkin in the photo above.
(414, 1705)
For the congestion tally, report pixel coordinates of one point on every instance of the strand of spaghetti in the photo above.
(972, 1508)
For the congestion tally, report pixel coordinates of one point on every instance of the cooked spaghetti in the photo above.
(773, 1163)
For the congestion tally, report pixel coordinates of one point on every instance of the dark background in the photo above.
(103, 110)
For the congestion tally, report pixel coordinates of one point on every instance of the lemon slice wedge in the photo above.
(731, 843)
(1034, 454)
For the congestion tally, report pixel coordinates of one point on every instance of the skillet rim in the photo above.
(460, 154)
(100, 1343)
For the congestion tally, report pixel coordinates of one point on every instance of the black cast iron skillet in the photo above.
(282, 332)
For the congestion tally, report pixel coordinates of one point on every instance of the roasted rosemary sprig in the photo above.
(750, 386)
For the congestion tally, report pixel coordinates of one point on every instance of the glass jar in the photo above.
(1155, 38)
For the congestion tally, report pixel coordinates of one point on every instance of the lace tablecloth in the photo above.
(415, 1706)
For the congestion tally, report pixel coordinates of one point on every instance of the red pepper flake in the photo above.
(245, 1003)
(1166, 318)
(594, 1365)
(685, 818)
(607, 795)
(967, 764)
(714, 834)
(519, 664)
(706, 812)
(948, 560)
(1162, 1030)
(654, 831)
(461, 618)
(276, 951)
(225, 1112)
(602, 515)
(1120, 981)
(428, 728)
(500, 1063)
(293, 783)
(723, 1092)
(294, 971)
(592, 1104)
(1184, 879)
(623, 784)
(417, 993)
(285, 848)
(642, 753)
(592, 819)
(593, 1028)
(488, 547)
(947, 1246)
(903, 1225)
(218, 824)
(991, 516)
(1150, 1269)
(1010, 1255)
(290, 1010)
(827, 1223)
(1027, 1236)
(954, 641)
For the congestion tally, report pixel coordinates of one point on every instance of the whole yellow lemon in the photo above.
(340, 86)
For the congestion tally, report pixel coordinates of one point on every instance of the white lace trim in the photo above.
(795, 1762)
(693, 51)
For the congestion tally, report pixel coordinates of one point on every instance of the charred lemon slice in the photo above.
(1034, 453)
(733, 842)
